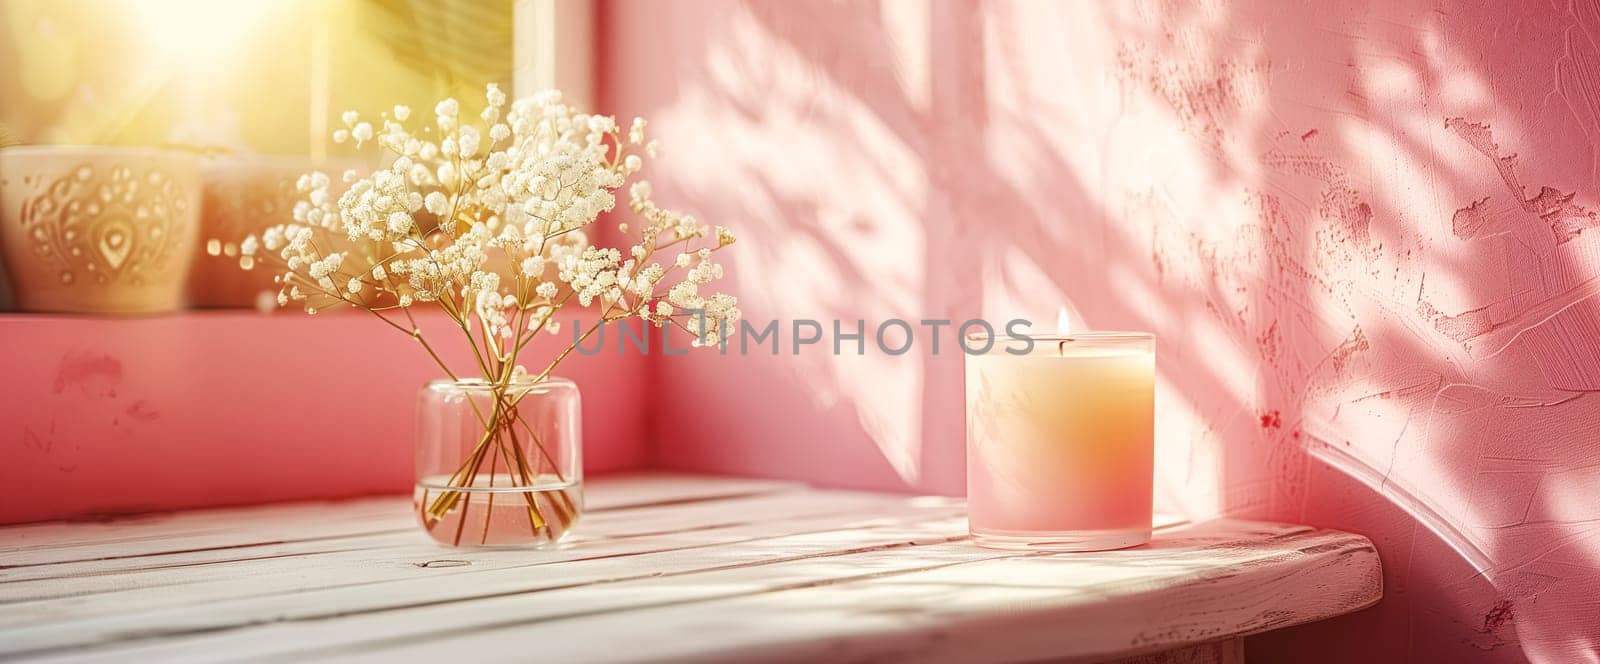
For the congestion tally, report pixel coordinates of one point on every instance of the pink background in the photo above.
(1363, 233)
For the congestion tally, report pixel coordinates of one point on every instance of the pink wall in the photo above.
(225, 408)
(1363, 232)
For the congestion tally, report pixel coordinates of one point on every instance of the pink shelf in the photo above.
(198, 409)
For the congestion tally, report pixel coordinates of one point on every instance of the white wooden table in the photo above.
(668, 567)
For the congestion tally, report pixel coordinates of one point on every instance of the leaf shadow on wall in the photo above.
(1365, 323)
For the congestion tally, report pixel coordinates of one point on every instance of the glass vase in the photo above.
(498, 465)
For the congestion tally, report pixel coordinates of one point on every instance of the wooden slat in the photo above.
(702, 573)
(977, 607)
(47, 543)
(613, 533)
(641, 489)
(210, 529)
(567, 591)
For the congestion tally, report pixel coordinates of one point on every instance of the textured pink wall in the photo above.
(227, 408)
(1362, 231)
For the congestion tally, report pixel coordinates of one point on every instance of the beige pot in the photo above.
(90, 229)
(243, 196)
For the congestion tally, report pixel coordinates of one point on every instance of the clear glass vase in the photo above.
(498, 465)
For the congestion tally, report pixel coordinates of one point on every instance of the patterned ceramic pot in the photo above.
(98, 229)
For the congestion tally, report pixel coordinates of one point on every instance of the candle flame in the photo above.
(1063, 321)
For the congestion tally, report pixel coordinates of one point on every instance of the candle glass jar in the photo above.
(1060, 440)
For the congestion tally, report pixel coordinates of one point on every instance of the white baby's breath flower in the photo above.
(436, 203)
(533, 266)
(602, 124)
(420, 175)
(320, 269)
(468, 142)
(447, 108)
(272, 239)
(399, 223)
(521, 187)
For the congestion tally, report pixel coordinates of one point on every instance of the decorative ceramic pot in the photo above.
(498, 465)
(91, 229)
(243, 196)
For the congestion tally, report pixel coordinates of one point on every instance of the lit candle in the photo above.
(1060, 441)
